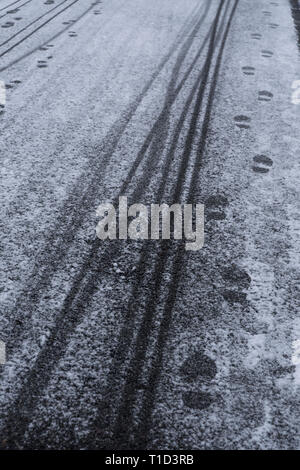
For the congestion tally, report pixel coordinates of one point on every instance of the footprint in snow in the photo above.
(198, 366)
(262, 164)
(236, 276)
(247, 70)
(8, 24)
(256, 36)
(266, 53)
(214, 207)
(233, 296)
(243, 122)
(265, 95)
(42, 64)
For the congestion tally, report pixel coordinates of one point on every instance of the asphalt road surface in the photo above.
(141, 344)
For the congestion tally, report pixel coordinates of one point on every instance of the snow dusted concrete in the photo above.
(131, 344)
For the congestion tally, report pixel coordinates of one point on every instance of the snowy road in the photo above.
(131, 344)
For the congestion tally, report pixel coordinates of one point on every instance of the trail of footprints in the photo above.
(199, 369)
(97, 12)
(71, 34)
(42, 63)
(198, 366)
(238, 280)
(9, 23)
(262, 163)
(247, 70)
(235, 277)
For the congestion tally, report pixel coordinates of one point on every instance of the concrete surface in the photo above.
(142, 345)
